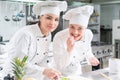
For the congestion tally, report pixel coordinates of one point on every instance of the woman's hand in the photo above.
(52, 73)
(70, 44)
(94, 61)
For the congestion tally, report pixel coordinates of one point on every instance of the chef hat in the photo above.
(53, 7)
(79, 15)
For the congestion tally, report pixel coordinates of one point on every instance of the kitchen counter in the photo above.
(95, 75)
(102, 51)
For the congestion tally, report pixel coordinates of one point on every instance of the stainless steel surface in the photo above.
(95, 75)
(116, 37)
(117, 48)
(102, 51)
(1, 38)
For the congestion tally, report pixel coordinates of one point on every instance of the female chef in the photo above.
(73, 45)
(34, 40)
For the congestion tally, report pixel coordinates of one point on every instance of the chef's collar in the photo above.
(83, 38)
(39, 33)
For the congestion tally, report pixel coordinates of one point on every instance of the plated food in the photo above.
(74, 78)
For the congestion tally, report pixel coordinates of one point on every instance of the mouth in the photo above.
(75, 35)
(51, 27)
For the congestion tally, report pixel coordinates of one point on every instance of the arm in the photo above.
(19, 46)
(61, 55)
(26, 45)
(90, 57)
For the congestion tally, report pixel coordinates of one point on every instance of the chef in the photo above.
(73, 45)
(34, 40)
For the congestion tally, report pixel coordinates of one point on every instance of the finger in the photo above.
(72, 40)
(95, 63)
(56, 71)
(54, 74)
(55, 77)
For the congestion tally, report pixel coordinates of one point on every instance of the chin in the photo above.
(76, 39)
(52, 30)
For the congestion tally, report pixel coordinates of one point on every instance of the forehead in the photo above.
(51, 15)
(76, 26)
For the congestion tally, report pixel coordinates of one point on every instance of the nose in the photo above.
(75, 31)
(52, 22)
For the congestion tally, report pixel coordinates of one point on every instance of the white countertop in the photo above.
(95, 75)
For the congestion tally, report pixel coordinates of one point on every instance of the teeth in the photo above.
(75, 35)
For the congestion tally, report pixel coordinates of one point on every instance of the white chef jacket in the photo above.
(30, 41)
(70, 65)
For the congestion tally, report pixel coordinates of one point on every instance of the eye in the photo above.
(72, 27)
(56, 19)
(48, 17)
(80, 28)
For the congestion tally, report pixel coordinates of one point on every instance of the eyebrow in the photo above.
(52, 16)
(48, 15)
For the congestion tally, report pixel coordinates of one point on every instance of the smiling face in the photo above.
(48, 23)
(76, 31)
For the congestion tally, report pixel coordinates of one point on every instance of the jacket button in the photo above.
(44, 53)
(45, 39)
(1, 68)
(36, 63)
(37, 39)
(73, 56)
(72, 65)
(47, 61)
(37, 53)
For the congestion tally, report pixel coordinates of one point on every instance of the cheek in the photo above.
(56, 24)
(55, 27)
(80, 34)
(71, 31)
(43, 22)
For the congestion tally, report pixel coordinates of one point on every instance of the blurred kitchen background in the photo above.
(104, 23)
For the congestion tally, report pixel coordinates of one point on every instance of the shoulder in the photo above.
(88, 35)
(88, 32)
(28, 28)
(24, 31)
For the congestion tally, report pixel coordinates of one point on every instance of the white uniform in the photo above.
(30, 41)
(70, 65)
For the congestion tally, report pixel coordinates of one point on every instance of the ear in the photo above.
(40, 17)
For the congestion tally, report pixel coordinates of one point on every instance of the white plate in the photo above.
(78, 78)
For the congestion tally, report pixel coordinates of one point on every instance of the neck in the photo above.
(45, 33)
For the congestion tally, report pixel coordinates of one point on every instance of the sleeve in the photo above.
(89, 37)
(19, 47)
(61, 56)
(15, 48)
